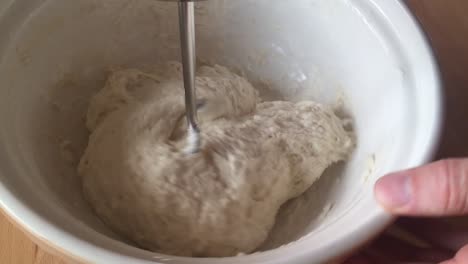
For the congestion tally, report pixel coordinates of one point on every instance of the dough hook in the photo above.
(187, 45)
(188, 52)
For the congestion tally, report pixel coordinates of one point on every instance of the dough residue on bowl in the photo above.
(218, 202)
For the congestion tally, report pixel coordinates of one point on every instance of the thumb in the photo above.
(436, 189)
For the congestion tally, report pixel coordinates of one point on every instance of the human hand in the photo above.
(435, 190)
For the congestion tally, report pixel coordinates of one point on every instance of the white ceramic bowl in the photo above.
(370, 53)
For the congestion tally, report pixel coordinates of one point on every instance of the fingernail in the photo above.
(393, 191)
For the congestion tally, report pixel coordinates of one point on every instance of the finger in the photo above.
(395, 250)
(460, 258)
(437, 189)
(437, 232)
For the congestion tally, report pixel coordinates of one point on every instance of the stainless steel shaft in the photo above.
(187, 42)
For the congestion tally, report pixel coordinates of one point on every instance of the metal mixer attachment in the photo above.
(187, 45)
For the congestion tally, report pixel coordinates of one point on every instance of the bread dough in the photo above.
(221, 201)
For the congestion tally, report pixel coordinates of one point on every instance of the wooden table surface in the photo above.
(445, 21)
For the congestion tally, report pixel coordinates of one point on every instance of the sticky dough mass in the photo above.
(221, 201)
